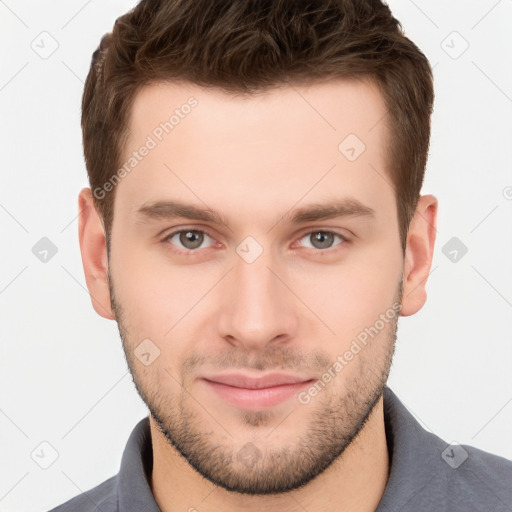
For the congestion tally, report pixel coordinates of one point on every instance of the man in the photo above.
(255, 227)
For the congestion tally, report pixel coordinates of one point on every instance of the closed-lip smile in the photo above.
(255, 393)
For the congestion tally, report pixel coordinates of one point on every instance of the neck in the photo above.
(354, 482)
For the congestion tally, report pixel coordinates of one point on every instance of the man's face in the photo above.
(258, 293)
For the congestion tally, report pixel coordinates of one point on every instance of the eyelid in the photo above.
(307, 231)
(346, 235)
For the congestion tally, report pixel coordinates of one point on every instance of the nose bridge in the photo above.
(258, 308)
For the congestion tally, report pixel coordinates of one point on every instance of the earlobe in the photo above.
(418, 255)
(93, 248)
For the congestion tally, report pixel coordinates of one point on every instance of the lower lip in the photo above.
(256, 399)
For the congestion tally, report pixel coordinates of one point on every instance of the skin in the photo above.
(295, 309)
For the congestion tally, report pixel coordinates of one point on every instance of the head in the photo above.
(267, 117)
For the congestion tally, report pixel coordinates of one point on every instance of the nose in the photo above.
(257, 308)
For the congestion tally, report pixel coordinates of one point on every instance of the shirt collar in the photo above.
(412, 451)
(132, 487)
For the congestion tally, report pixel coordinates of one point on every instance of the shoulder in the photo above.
(102, 497)
(428, 473)
(477, 477)
(462, 475)
(464, 478)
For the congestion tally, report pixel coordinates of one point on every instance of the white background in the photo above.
(64, 379)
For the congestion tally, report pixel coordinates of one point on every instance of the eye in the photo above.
(190, 239)
(322, 239)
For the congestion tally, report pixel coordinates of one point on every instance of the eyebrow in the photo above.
(166, 210)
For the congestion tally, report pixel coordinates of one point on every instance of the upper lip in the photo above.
(240, 380)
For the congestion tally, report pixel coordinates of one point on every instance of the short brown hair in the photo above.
(249, 46)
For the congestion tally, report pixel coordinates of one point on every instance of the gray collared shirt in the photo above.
(427, 474)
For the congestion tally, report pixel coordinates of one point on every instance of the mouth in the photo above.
(255, 393)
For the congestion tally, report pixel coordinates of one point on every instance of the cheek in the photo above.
(162, 301)
(148, 298)
(352, 295)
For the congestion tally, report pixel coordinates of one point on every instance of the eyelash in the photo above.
(193, 252)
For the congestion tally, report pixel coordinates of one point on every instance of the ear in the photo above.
(418, 255)
(93, 247)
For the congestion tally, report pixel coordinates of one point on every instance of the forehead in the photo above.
(265, 149)
(330, 109)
